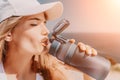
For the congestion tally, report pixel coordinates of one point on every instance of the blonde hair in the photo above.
(6, 26)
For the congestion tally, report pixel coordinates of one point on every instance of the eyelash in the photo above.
(33, 24)
(37, 24)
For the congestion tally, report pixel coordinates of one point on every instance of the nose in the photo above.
(44, 30)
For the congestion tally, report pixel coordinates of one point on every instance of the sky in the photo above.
(102, 16)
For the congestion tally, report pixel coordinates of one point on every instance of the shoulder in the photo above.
(1, 68)
(39, 77)
(2, 73)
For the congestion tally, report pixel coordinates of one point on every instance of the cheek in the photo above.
(29, 41)
(31, 46)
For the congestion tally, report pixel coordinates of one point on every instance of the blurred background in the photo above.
(96, 23)
(92, 15)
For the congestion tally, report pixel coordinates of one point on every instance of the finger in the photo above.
(81, 46)
(94, 52)
(72, 40)
(88, 50)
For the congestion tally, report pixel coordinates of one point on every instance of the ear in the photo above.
(8, 37)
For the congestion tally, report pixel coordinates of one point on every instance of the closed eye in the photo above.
(34, 24)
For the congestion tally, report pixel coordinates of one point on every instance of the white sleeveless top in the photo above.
(4, 77)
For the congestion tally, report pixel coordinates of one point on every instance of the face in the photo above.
(30, 35)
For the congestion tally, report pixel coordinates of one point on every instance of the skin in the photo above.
(25, 41)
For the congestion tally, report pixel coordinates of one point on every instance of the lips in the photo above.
(44, 42)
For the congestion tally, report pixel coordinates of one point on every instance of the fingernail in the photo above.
(82, 46)
(88, 52)
(72, 40)
(94, 52)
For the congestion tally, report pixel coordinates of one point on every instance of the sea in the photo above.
(106, 44)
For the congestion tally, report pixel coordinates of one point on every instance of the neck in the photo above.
(18, 64)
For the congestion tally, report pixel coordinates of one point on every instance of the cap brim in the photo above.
(53, 10)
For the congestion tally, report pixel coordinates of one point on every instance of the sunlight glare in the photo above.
(116, 3)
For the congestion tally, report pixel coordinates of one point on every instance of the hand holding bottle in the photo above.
(88, 50)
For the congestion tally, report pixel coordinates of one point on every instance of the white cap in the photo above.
(10, 8)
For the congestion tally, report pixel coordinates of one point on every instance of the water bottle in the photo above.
(95, 66)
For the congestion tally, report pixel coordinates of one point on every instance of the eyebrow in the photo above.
(34, 19)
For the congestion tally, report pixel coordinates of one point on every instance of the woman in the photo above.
(24, 41)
